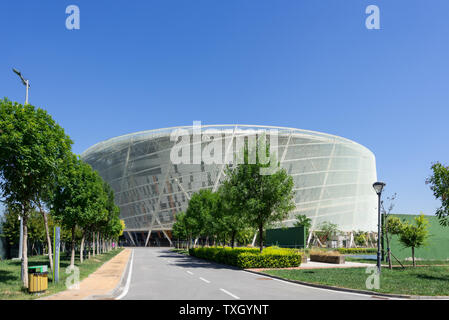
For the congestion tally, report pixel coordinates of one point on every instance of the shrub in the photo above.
(325, 253)
(271, 257)
(357, 250)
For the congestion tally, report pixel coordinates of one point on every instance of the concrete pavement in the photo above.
(100, 283)
(161, 274)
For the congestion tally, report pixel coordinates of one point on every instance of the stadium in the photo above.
(333, 176)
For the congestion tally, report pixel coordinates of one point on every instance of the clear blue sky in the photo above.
(138, 65)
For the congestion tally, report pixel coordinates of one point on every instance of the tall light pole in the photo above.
(378, 186)
(26, 83)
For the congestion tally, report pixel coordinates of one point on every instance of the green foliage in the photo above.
(303, 221)
(414, 235)
(357, 250)
(394, 225)
(262, 199)
(32, 146)
(201, 209)
(79, 197)
(439, 184)
(271, 257)
(327, 230)
(360, 237)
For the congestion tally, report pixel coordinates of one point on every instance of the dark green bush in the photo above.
(357, 250)
(271, 257)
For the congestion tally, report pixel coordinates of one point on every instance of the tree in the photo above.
(232, 214)
(183, 227)
(201, 207)
(79, 198)
(264, 198)
(303, 221)
(413, 235)
(32, 145)
(327, 230)
(390, 225)
(439, 184)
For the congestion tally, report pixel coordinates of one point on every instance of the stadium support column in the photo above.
(131, 238)
(149, 234)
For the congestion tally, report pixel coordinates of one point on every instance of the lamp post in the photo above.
(378, 186)
(26, 83)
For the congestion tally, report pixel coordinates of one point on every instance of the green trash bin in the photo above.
(37, 279)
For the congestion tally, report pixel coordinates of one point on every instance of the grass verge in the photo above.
(425, 281)
(11, 285)
(181, 251)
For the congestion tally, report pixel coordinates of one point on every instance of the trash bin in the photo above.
(37, 279)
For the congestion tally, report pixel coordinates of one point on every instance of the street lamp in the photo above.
(26, 83)
(378, 186)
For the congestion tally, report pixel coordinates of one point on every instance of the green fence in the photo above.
(438, 242)
(286, 237)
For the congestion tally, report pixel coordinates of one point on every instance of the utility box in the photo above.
(37, 279)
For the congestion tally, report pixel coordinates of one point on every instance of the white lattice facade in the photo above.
(333, 176)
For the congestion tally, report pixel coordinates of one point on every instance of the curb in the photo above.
(111, 295)
(365, 292)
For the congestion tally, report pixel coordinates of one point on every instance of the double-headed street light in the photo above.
(378, 187)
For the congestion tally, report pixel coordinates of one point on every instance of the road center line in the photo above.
(189, 272)
(227, 292)
(207, 281)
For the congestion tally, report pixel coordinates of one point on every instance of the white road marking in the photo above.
(128, 280)
(189, 272)
(207, 281)
(227, 292)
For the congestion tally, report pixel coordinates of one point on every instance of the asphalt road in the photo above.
(163, 275)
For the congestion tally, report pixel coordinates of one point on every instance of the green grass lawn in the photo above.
(11, 285)
(428, 281)
(404, 262)
(182, 251)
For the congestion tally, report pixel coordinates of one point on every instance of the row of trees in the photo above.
(39, 172)
(247, 200)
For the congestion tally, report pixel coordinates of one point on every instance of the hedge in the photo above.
(357, 250)
(271, 257)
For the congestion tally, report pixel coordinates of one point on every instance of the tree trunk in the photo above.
(50, 257)
(98, 242)
(261, 237)
(82, 247)
(233, 239)
(413, 256)
(72, 257)
(93, 244)
(390, 265)
(89, 243)
(25, 252)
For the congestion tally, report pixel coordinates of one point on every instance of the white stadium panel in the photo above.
(333, 176)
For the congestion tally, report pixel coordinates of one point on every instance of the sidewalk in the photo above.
(100, 283)
(321, 265)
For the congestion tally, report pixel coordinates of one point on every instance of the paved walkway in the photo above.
(100, 283)
(322, 265)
